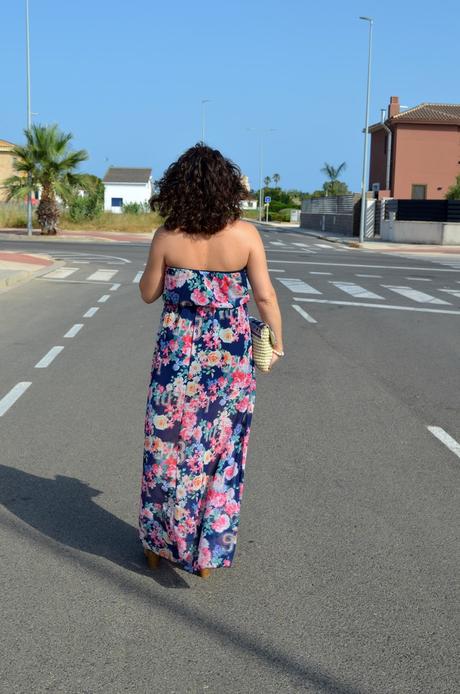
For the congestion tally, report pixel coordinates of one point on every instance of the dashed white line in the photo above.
(446, 439)
(14, 394)
(90, 312)
(415, 295)
(74, 330)
(304, 314)
(114, 287)
(303, 245)
(277, 243)
(312, 272)
(102, 275)
(296, 285)
(138, 277)
(323, 245)
(384, 306)
(358, 275)
(49, 357)
(61, 272)
(103, 299)
(418, 279)
(454, 292)
(272, 269)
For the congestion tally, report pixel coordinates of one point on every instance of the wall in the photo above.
(6, 170)
(378, 165)
(425, 154)
(130, 192)
(421, 232)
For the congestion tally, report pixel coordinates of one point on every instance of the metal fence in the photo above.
(340, 204)
(428, 210)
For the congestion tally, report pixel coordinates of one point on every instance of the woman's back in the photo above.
(225, 251)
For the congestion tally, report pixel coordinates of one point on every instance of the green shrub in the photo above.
(84, 207)
(136, 208)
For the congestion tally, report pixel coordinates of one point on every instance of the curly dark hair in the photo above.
(200, 193)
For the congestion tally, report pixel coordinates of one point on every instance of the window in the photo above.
(117, 202)
(418, 191)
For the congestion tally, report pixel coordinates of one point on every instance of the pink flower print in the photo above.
(242, 405)
(199, 297)
(232, 507)
(204, 555)
(218, 499)
(221, 523)
(231, 471)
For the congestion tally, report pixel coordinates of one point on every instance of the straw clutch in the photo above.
(263, 339)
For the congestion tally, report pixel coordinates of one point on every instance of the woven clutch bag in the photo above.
(263, 339)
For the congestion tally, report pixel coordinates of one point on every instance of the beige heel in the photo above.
(205, 573)
(153, 560)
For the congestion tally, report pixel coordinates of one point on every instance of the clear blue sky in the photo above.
(127, 78)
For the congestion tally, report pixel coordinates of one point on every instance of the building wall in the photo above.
(6, 170)
(425, 154)
(378, 163)
(129, 192)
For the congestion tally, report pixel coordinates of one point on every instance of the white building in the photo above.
(125, 185)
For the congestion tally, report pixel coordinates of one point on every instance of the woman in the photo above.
(202, 388)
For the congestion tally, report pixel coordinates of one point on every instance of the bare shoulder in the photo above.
(247, 231)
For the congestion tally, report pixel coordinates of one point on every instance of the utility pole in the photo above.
(29, 118)
(362, 224)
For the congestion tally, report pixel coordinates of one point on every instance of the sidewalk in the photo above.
(77, 235)
(17, 268)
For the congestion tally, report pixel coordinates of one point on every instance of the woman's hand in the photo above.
(274, 359)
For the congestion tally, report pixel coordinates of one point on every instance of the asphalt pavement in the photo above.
(345, 571)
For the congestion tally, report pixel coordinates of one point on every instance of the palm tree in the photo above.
(333, 174)
(47, 163)
(276, 178)
(267, 181)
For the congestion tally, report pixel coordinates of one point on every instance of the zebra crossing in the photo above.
(447, 297)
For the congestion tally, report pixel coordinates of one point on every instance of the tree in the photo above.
(335, 188)
(47, 163)
(267, 181)
(333, 174)
(276, 178)
(454, 191)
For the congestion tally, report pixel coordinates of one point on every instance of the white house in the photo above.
(123, 185)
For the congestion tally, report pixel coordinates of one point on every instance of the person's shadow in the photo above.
(64, 510)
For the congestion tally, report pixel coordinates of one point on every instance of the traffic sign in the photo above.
(267, 199)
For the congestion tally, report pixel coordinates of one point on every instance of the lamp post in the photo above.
(362, 224)
(261, 134)
(29, 118)
(203, 117)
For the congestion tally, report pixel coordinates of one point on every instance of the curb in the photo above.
(22, 276)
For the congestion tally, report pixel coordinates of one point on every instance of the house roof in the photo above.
(118, 174)
(443, 114)
(5, 144)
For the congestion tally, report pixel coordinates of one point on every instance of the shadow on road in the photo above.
(64, 510)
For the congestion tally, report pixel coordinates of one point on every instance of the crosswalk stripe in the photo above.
(138, 277)
(415, 295)
(277, 243)
(304, 314)
(383, 306)
(102, 275)
(296, 285)
(14, 394)
(322, 245)
(356, 290)
(446, 439)
(60, 273)
(454, 292)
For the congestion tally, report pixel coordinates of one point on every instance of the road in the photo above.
(345, 567)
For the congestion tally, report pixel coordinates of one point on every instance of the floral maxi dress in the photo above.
(199, 410)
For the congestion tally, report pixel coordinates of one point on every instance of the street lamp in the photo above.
(261, 134)
(203, 117)
(29, 118)
(366, 128)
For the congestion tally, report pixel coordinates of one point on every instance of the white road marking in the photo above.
(304, 314)
(323, 245)
(138, 277)
(358, 275)
(385, 306)
(103, 299)
(46, 279)
(277, 243)
(312, 272)
(296, 285)
(15, 393)
(304, 245)
(415, 295)
(376, 267)
(454, 292)
(102, 275)
(272, 269)
(90, 312)
(446, 439)
(418, 279)
(61, 273)
(114, 287)
(49, 357)
(74, 330)
(356, 290)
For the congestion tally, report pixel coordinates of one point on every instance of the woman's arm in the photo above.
(152, 281)
(262, 288)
